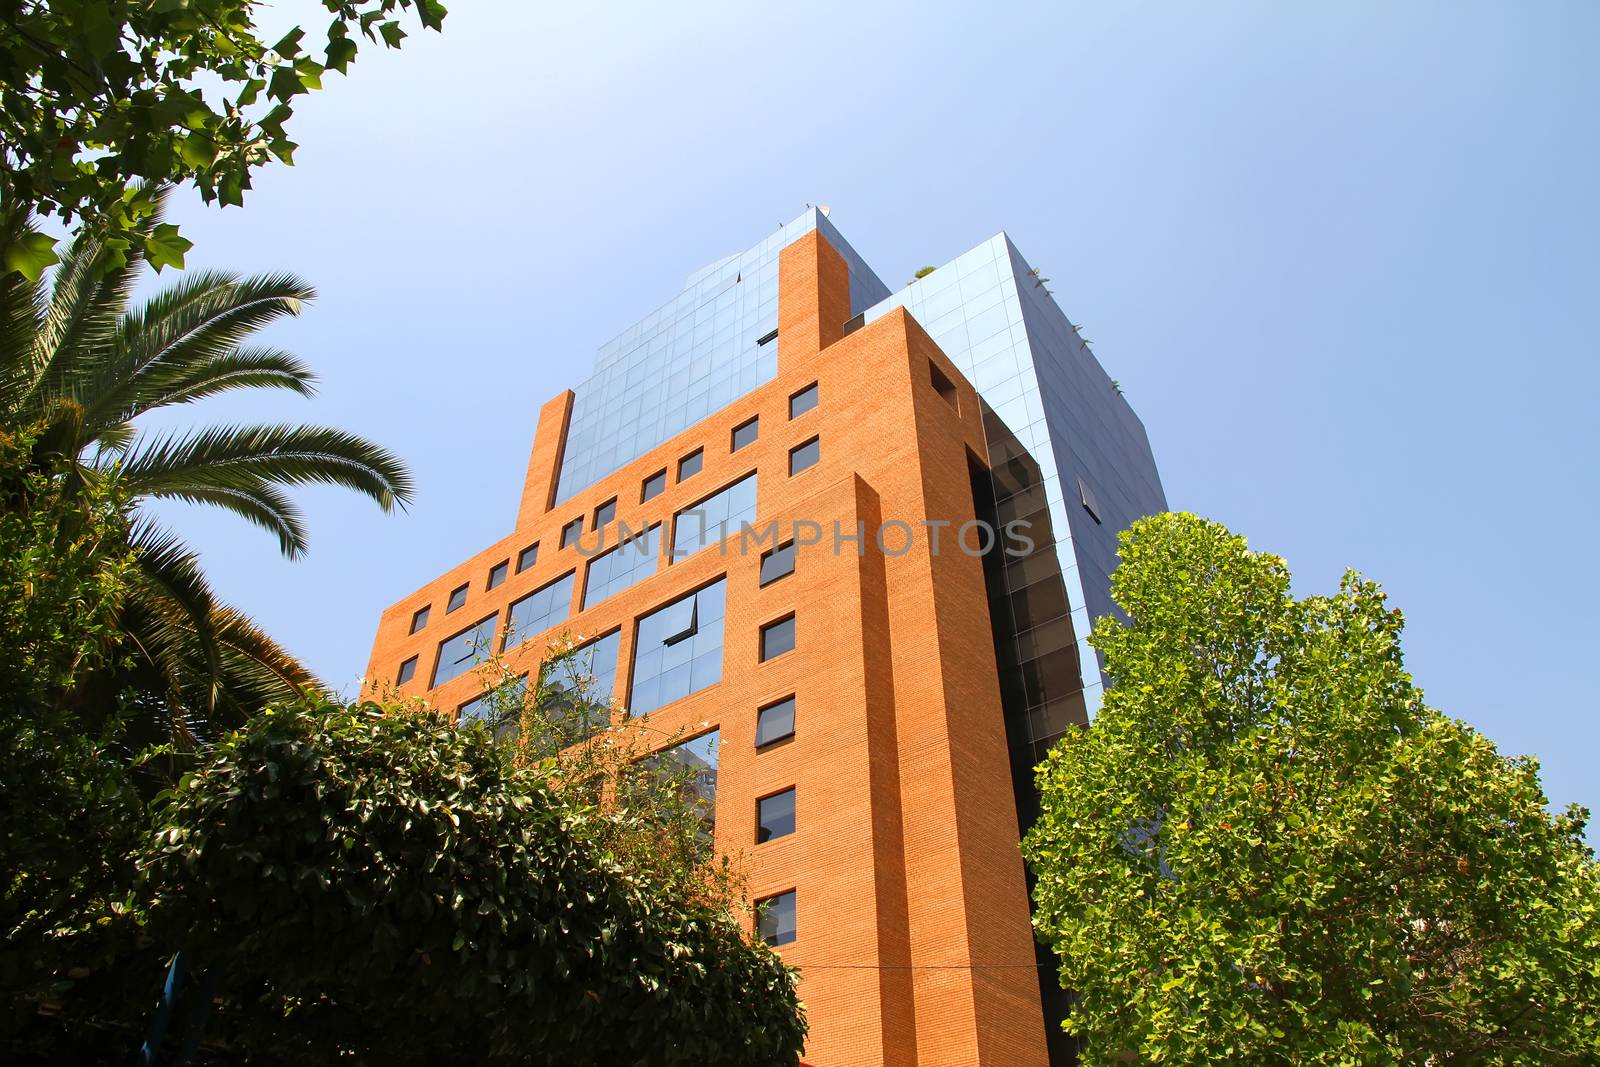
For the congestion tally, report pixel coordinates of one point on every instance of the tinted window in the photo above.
(777, 638)
(777, 919)
(777, 563)
(408, 670)
(498, 572)
(678, 650)
(571, 532)
(605, 513)
(501, 711)
(775, 816)
(419, 620)
(527, 558)
(459, 654)
(804, 456)
(691, 464)
(539, 610)
(775, 722)
(653, 486)
(458, 599)
(628, 564)
(746, 433)
(692, 767)
(803, 401)
(717, 516)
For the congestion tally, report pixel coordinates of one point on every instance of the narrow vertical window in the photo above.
(571, 532)
(775, 816)
(408, 671)
(777, 638)
(419, 618)
(527, 557)
(458, 598)
(497, 573)
(776, 922)
(605, 513)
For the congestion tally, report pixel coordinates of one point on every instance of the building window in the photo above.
(465, 650)
(690, 767)
(538, 611)
(943, 385)
(851, 325)
(458, 598)
(779, 563)
(605, 513)
(776, 923)
(527, 557)
(803, 401)
(690, 465)
(720, 515)
(746, 433)
(590, 669)
(653, 486)
(777, 638)
(408, 671)
(770, 335)
(678, 650)
(501, 711)
(628, 564)
(497, 573)
(419, 618)
(775, 722)
(775, 816)
(804, 457)
(1090, 505)
(571, 532)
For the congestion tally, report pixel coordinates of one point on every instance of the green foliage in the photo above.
(385, 885)
(1268, 849)
(102, 99)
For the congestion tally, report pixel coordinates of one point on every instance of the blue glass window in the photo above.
(419, 618)
(775, 722)
(571, 532)
(539, 610)
(775, 816)
(594, 664)
(678, 650)
(497, 574)
(804, 457)
(691, 766)
(803, 401)
(408, 670)
(745, 434)
(460, 653)
(719, 515)
(776, 924)
(628, 564)
(653, 486)
(501, 711)
(458, 599)
(527, 557)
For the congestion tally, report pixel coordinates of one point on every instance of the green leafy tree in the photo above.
(376, 884)
(82, 366)
(101, 100)
(1269, 849)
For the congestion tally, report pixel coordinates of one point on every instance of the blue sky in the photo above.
(1343, 263)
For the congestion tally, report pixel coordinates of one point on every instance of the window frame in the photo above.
(802, 446)
(402, 675)
(769, 899)
(451, 604)
(762, 581)
(567, 528)
(793, 714)
(794, 814)
(753, 423)
(766, 628)
(419, 618)
(816, 399)
(497, 575)
(698, 457)
(645, 495)
(528, 557)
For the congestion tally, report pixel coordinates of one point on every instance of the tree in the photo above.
(1269, 849)
(103, 100)
(377, 884)
(81, 365)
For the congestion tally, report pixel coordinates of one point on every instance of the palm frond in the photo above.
(202, 319)
(22, 305)
(241, 368)
(253, 499)
(229, 456)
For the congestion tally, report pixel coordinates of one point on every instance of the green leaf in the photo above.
(30, 254)
(164, 247)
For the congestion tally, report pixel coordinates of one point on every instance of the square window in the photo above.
(420, 618)
(803, 401)
(777, 638)
(497, 573)
(776, 922)
(775, 816)
(746, 433)
(690, 465)
(605, 513)
(458, 598)
(408, 671)
(778, 563)
(571, 532)
(804, 457)
(527, 557)
(653, 486)
(775, 722)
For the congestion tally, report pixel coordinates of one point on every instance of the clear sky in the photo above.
(1345, 265)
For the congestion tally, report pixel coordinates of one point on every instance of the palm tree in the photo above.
(76, 359)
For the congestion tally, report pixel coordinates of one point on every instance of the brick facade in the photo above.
(913, 937)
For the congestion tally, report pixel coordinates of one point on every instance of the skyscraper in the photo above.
(849, 544)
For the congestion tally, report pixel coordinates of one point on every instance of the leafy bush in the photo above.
(386, 885)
